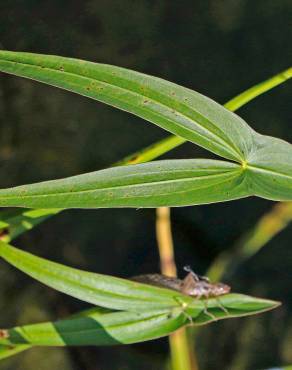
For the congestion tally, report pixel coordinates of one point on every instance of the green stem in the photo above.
(161, 147)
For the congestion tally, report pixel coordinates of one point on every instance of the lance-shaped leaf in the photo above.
(107, 329)
(120, 294)
(179, 110)
(101, 290)
(155, 184)
(131, 327)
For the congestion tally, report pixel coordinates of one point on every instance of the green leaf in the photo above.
(11, 350)
(14, 223)
(107, 329)
(179, 110)
(17, 223)
(236, 305)
(186, 113)
(269, 169)
(149, 312)
(120, 294)
(101, 290)
(155, 184)
(98, 329)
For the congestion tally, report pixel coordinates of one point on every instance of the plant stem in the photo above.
(182, 358)
(269, 225)
(163, 146)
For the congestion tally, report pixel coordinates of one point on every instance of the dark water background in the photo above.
(217, 47)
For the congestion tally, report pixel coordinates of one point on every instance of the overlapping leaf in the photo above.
(151, 311)
(265, 170)
(174, 108)
(130, 327)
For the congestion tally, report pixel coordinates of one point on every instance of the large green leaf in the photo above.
(179, 110)
(149, 312)
(121, 294)
(94, 328)
(107, 329)
(100, 290)
(12, 225)
(160, 183)
(267, 174)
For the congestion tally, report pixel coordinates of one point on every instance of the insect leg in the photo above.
(206, 312)
(221, 305)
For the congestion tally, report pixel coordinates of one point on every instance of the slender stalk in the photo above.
(163, 146)
(267, 227)
(178, 341)
(258, 90)
(182, 358)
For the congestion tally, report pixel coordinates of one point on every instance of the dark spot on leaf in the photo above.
(146, 101)
(61, 69)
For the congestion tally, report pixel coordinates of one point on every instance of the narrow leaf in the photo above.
(235, 305)
(131, 327)
(155, 184)
(107, 329)
(101, 290)
(179, 110)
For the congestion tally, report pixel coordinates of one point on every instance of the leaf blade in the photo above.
(269, 169)
(179, 110)
(129, 327)
(154, 184)
(102, 290)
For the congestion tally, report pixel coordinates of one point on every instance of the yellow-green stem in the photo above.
(182, 358)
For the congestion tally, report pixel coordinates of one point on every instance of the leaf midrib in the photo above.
(187, 179)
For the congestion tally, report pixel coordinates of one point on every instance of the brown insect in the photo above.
(193, 285)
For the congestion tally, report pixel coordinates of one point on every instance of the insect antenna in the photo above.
(188, 268)
(197, 277)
